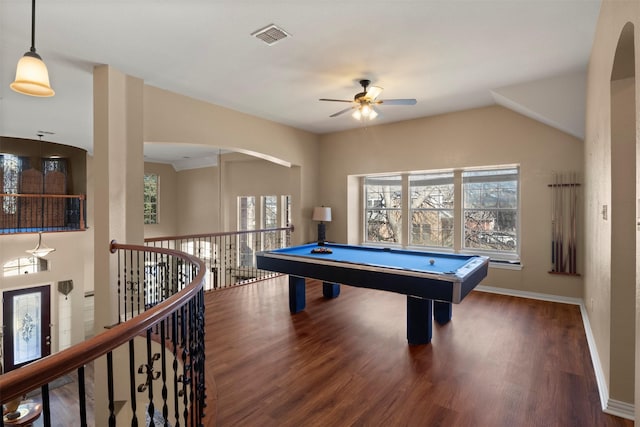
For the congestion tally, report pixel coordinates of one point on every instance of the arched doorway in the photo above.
(625, 241)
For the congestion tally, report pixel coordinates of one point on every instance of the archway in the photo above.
(624, 241)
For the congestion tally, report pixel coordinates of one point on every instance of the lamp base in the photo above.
(321, 234)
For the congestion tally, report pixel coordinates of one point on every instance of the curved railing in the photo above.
(161, 294)
(230, 256)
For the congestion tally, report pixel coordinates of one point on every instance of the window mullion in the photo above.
(458, 219)
(406, 204)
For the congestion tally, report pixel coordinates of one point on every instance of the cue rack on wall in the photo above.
(564, 227)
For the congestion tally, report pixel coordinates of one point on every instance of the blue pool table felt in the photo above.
(383, 257)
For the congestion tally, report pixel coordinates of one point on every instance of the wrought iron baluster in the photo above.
(46, 407)
(132, 382)
(82, 397)
(112, 414)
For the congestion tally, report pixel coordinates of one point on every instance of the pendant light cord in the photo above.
(33, 26)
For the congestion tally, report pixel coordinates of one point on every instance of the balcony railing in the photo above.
(26, 213)
(160, 334)
(229, 257)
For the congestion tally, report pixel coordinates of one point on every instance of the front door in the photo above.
(27, 326)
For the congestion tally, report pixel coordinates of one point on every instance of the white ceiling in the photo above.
(448, 54)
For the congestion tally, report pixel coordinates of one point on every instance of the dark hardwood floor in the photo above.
(501, 361)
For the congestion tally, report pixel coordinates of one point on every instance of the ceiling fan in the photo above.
(364, 102)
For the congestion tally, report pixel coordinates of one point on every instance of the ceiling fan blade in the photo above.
(336, 100)
(373, 92)
(397, 101)
(342, 111)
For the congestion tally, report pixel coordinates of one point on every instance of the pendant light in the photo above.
(32, 77)
(41, 250)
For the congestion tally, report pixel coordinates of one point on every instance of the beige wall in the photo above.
(172, 118)
(604, 309)
(478, 137)
(198, 201)
(248, 176)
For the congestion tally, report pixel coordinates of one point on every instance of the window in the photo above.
(10, 169)
(270, 220)
(269, 211)
(383, 208)
(491, 209)
(471, 210)
(151, 198)
(25, 265)
(246, 221)
(246, 213)
(431, 209)
(286, 211)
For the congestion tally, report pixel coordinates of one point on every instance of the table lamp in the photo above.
(322, 214)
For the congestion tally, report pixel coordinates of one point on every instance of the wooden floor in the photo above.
(501, 361)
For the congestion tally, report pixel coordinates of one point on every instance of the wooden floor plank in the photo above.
(501, 361)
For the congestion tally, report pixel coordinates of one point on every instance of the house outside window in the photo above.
(383, 208)
(431, 209)
(151, 192)
(490, 210)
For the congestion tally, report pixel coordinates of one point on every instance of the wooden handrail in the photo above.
(41, 195)
(222, 233)
(20, 381)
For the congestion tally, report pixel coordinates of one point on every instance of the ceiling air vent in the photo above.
(270, 34)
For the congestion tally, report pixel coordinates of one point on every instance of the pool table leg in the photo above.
(330, 290)
(442, 311)
(297, 294)
(419, 320)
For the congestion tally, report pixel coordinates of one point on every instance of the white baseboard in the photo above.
(609, 406)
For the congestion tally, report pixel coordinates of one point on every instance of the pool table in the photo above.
(432, 281)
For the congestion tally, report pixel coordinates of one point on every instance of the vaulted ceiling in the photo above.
(528, 55)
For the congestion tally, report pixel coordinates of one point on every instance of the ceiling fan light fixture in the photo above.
(357, 114)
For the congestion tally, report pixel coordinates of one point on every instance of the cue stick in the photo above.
(555, 195)
(557, 227)
(575, 224)
(570, 209)
(561, 231)
(553, 223)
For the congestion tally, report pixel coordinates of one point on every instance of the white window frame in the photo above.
(154, 217)
(370, 180)
(512, 257)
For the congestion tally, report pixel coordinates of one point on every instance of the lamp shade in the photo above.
(32, 77)
(321, 213)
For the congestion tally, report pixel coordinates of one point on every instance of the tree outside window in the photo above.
(151, 183)
(431, 209)
(383, 212)
(491, 209)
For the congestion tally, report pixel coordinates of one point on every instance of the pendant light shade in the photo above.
(41, 250)
(32, 77)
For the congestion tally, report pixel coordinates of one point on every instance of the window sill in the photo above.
(506, 265)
